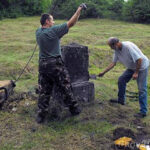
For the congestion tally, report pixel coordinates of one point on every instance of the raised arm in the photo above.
(76, 16)
(107, 69)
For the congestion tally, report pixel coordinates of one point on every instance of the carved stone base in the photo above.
(84, 91)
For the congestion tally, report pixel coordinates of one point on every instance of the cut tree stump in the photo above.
(6, 89)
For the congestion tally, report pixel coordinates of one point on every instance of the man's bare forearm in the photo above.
(74, 18)
(109, 67)
(138, 65)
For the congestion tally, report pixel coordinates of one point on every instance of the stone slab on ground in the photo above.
(84, 91)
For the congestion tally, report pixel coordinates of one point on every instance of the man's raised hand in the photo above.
(83, 6)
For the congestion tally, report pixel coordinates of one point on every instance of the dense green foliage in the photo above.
(16, 8)
(137, 10)
(96, 8)
(132, 10)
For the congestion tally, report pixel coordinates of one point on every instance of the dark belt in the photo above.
(52, 57)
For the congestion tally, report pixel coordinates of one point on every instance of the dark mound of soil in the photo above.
(122, 132)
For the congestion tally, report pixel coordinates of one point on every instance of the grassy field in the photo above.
(94, 128)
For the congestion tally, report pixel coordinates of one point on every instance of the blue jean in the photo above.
(142, 87)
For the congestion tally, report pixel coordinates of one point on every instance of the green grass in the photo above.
(92, 130)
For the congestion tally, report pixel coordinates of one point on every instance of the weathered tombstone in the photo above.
(76, 60)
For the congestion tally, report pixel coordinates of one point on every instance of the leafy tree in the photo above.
(116, 7)
(15, 8)
(137, 10)
(132, 10)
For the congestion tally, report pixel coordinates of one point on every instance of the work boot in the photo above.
(140, 115)
(40, 117)
(75, 110)
(116, 101)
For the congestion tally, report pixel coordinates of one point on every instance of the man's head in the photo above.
(47, 20)
(114, 43)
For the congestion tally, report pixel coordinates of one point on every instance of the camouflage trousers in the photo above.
(52, 72)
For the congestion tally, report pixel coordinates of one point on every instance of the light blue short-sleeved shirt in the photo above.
(128, 56)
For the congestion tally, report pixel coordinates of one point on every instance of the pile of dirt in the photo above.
(122, 132)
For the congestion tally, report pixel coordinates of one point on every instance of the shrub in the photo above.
(137, 11)
(16, 8)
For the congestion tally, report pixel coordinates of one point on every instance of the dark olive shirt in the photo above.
(48, 40)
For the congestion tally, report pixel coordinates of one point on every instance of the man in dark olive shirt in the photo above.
(51, 67)
(49, 39)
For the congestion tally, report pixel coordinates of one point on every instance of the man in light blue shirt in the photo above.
(137, 68)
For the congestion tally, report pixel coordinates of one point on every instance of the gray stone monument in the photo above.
(76, 60)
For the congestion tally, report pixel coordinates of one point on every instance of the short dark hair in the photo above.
(44, 17)
(113, 40)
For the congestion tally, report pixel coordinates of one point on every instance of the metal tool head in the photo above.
(83, 5)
